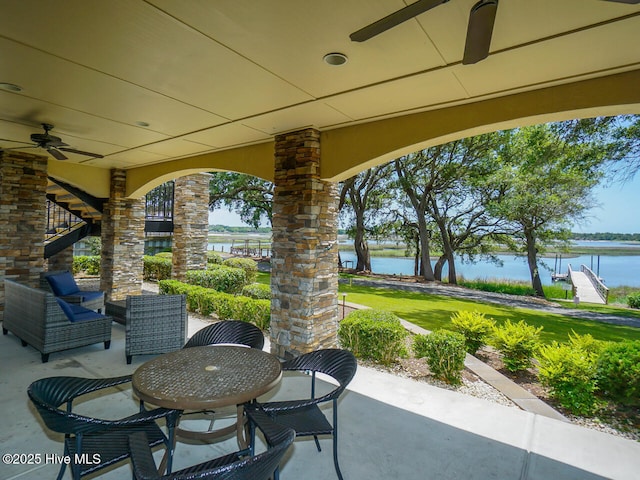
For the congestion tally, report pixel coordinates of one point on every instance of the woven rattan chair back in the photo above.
(228, 331)
(228, 467)
(93, 437)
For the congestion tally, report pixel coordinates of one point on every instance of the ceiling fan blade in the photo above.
(630, 2)
(80, 152)
(56, 154)
(16, 141)
(394, 19)
(479, 31)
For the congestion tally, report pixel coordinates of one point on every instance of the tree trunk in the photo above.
(361, 247)
(437, 268)
(453, 280)
(426, 270)
(532, 260)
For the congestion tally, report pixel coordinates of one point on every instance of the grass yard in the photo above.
(434, 311)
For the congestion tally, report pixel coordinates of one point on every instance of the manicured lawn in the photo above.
(433, 312)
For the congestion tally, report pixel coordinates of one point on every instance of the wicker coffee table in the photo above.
(206, 378)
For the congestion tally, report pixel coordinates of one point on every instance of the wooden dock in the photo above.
(587, 286)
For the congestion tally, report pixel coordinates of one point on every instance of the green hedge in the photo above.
(474, 326)
(257, 290)
(618, 372)
(90, 264)
(517, 342)
(156, 267)
(214, 258)
(633, 300)
(373, 334)
(568, 369)
(249, 266)
(220, 278)
(444, 352)
(224, 305)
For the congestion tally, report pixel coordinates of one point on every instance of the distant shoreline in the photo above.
(392, 249)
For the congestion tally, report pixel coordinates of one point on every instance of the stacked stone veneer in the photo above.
(190, 224)
(61, 261)
(121, 259)
(23, 188)
(304, 265)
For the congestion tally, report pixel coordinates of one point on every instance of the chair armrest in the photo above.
(69, 388)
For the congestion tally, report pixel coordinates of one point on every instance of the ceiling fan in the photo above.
(54, 145)
(479, 30)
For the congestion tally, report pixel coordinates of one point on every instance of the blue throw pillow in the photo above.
(76, 313)
(66, 308)
(63, 284)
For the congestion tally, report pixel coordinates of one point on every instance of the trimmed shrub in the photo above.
(258, 291)
(156, 268)
(225, 306)
(633, 300)
(444, 352)
(220, 278)
(168, 255)
(474, 326)
(618, 372)
(374, 335)
(568, 370)
(517, 342)
(259, 311)
(214, 258)
(90, 264)
(249, 266)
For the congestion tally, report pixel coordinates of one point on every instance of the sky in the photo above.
(619, 211)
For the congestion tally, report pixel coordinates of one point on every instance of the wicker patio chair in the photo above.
(223, 332)
(228, 331)
(64, 286)
(304, 415)
(104, 442)
(154, 324)
(228, 467)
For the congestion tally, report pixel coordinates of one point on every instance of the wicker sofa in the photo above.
(37, 318)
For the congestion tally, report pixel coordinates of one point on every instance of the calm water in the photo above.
(614, 270)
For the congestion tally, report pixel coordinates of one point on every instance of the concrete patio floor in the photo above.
(390, 427)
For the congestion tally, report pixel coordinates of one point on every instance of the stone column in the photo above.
(304, 265)
(23, 189)
(121, 261)
(61, 261)
(190, 224)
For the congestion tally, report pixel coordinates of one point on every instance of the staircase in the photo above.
(72, 214)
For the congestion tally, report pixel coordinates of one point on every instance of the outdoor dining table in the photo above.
(206, 378)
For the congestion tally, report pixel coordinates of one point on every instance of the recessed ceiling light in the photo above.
(140, 123)
(335, 59)
(12, 87)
